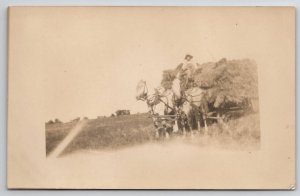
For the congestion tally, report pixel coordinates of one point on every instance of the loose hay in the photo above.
(226, 81)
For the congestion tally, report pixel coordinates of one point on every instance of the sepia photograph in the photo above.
(213, 104)
(151, 98)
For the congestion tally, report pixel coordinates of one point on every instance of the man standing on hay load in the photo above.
(186, 73)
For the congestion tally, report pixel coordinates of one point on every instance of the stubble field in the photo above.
(113, 133)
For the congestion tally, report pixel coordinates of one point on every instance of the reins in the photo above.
(166, 104)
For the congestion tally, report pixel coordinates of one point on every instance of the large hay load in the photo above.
(228, 82)
(169, 75)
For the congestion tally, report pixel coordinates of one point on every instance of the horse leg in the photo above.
(185, 126)
(165, 133)
(157, 133)
(180, 126)
(176, 127)
(205, 125)
(194, 122)
(199, 126)
(189, 124)
(161, 133)
(169, 131)
(194, 132)
(194, 119)
(198, 122)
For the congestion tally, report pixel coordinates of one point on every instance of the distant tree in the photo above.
(122, 112)
(50, 122)
(57, 121)
(76, 119)
(85, 118)
(112, 115)
(119, 112)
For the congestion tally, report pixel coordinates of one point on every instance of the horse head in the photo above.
(141, 90)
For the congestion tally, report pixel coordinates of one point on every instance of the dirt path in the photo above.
(169, 164)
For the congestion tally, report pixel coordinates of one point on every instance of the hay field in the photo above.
(113, 133)
(105, 133)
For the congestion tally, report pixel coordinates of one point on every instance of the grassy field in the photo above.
(106, 133)
(55, 133)
(242, 134)
(131, 130)
(113, 133)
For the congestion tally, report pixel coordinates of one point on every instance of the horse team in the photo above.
(173, 110)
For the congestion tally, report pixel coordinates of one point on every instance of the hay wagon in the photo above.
(233, 110)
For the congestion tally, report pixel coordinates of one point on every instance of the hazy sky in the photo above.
(89, 60)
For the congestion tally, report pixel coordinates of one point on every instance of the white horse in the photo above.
(194, 103)
(161, 106)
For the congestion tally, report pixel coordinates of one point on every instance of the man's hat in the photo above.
(188, 56)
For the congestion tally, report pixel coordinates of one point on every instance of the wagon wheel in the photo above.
(225, 117)
(222, 121)
(222, 117)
